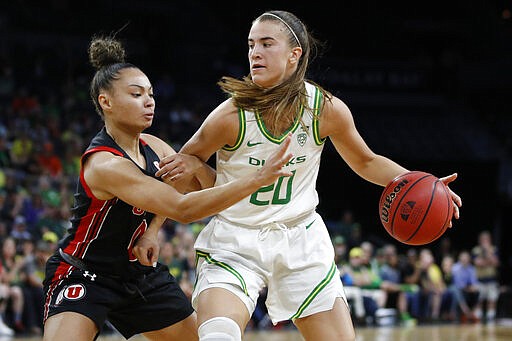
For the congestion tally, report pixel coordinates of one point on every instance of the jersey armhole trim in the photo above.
(241, 132)
(85, 156)
(316, 117)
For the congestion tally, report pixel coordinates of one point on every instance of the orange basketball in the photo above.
(415, 208)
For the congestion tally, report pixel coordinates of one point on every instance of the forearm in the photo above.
(197, 205)
(379, 170)
(155, 225)
(206, 176)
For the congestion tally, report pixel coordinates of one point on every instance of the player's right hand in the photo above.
(274, 165)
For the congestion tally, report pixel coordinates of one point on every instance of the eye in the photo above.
(136, 94)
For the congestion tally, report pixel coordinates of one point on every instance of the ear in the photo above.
(295, 54)
(104, 101)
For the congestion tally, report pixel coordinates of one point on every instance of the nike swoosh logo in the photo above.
(249, 144)
(309, 225)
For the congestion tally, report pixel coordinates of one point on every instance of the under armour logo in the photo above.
(87, 274)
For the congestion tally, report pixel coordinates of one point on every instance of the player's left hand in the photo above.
(146, 250)
(178, 166)
(457, 201)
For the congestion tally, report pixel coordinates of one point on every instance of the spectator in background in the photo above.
(5, 296)
(12, 265)
(24, 102)
(19, 231)
(4, 231)
(463, 285)
(33, 210)
(358, 274)
(32, 286)
(486, 259)
(11, 203)
(340, 251)
(21, 150)
(71, 160)
(432, 285)
(168, 257)
(49, 162)
(370, 256)
(5, 155)
(393, 285)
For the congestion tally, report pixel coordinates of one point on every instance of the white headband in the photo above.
(284, 22)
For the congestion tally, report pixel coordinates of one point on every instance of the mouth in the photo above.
(256, 67)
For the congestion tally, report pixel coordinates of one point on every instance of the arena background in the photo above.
(428, 83)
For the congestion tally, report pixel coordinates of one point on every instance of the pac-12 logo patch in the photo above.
(301, 138)
(73, 292)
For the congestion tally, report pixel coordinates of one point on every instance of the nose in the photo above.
(150, 102)
(255, 52)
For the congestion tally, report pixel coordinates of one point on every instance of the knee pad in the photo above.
(219, 329)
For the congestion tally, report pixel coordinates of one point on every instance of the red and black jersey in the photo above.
(103, 232)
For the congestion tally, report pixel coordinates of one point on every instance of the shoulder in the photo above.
(225, 118)
(225, 110)
(335, 117)
(105, 162)
(221, 127)
(161, 148)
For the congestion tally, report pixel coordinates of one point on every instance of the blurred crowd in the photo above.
(47, 122)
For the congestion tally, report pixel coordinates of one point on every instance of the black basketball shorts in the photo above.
(149, 303)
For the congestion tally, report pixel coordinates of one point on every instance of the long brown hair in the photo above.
(278, 104)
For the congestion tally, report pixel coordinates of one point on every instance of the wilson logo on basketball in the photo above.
(74, 292)
(406, 210)
(384, 212)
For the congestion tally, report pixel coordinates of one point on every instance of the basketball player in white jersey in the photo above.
(274, 238)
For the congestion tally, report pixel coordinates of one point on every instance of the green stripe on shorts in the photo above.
(315, 292)
(225, 266)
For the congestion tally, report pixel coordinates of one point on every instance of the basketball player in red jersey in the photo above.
(94, 276)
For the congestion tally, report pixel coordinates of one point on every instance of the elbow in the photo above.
(187, 213)
(185, 219)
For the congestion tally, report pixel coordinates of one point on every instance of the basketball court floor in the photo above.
(447, 332)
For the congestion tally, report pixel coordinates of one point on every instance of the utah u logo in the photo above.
(137, 211)
(73, 292)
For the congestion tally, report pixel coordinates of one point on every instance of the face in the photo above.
(130, 102)
(271, 59)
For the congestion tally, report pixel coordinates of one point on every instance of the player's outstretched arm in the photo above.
(111, 176)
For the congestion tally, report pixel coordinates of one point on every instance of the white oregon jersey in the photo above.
(289, 197)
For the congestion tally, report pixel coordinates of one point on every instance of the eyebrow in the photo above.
(263, 38)
(140, 86)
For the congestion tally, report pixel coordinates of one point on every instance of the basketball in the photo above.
(415, 208)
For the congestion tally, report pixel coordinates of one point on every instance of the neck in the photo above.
(129, 142)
